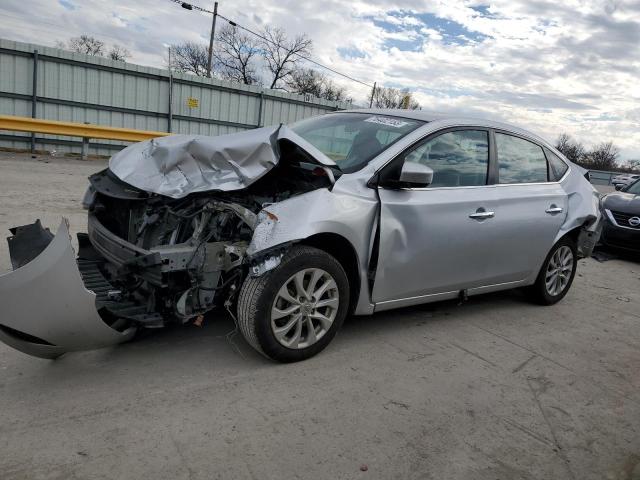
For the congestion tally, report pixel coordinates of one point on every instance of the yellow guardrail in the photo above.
(35, 125)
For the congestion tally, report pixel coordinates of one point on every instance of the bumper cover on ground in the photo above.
(46, 308)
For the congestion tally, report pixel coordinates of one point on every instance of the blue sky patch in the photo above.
(483, 11)
(452, 32)
(350, 52)
(67, 4)
(404, 45)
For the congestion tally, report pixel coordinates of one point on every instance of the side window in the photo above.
(557, 167)
(519, 160)
(459, 158)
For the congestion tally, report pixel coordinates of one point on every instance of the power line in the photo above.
(190, 6)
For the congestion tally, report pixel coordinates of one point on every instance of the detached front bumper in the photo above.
(46, 309)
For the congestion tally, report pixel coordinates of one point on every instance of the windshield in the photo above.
(634, 188)
(353, 139)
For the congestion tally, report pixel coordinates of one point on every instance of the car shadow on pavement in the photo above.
(445, 310)
(218, 344)
(178, 348)
(604, 253)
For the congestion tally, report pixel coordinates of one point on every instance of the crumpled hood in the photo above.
(178, 165)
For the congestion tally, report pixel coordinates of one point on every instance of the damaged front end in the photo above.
(163, 246)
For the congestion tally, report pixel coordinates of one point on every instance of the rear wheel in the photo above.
(293, 311)
(557, 273)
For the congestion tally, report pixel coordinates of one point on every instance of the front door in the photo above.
(437, 240)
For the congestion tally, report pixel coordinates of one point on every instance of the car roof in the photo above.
(423, 115)
(448, 119)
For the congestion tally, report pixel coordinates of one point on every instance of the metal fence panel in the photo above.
(81, 88)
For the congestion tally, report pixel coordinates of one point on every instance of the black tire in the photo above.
(258, 294)
(538, 292)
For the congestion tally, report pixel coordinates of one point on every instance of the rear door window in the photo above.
(557, 168)
(519, 160)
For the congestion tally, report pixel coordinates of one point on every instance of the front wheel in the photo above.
(557, 273)
(293, 311)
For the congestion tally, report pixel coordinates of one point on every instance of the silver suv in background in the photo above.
(290, 229)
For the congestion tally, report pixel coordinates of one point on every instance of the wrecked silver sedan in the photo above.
(291, 229)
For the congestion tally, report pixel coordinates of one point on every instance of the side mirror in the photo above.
(415, 175)
(619, 187)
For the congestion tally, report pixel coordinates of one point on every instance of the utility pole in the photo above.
(170, 111)
(373, 92)
(213, 33)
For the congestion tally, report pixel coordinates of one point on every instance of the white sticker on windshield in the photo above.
(388, 121)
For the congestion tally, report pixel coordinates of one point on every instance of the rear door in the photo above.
(531, 207)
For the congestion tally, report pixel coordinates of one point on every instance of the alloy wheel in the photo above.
(559, 271)
(304, 308)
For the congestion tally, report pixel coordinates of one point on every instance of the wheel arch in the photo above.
(342, 250)
(573, 234)
(584, 237)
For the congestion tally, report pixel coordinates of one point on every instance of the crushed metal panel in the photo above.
(46, 309)
(178, 165)
(319, 212)
(583, 210)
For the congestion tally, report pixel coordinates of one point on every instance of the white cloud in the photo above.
(548, 66)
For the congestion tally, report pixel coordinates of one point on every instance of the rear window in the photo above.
(353, 139)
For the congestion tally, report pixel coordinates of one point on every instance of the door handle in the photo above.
(481, 215)
(553, 210)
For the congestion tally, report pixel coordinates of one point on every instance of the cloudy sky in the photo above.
(571, 66)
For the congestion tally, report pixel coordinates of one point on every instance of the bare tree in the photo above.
(308, 81)
(283, 54)
(92, 46)
(84, 44)
(393, 98)
(570, 148)
(235, 56)
(603, 156)
(189, 57)
(118, 52)
(335, 93)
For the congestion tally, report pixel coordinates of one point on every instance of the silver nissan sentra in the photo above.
(291, 229)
